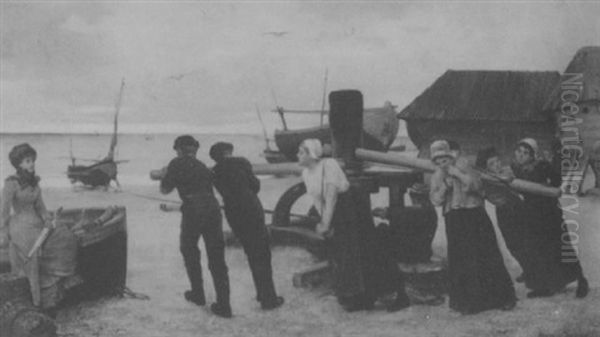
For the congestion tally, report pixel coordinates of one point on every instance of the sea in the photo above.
(143, 153)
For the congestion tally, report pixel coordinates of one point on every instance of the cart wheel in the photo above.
(282, 215)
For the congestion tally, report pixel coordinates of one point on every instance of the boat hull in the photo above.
(99, 174)
(380, 127)
(101, 254)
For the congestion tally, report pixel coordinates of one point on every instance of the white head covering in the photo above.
(314, 147)
(530, 142)
(440, 148)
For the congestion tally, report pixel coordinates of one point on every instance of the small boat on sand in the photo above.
(101, 269)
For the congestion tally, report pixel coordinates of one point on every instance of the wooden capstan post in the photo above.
(345, 120)
(346, 123)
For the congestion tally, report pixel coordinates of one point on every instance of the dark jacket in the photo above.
(190, 177)
(235, 180)
(238, 186)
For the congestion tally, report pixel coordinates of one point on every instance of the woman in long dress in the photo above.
(362, 271)
(509, 207)
(478, 278)
(48, 267)
(554, 262)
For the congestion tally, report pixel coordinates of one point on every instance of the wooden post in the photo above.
(345, 120)
(427, 166)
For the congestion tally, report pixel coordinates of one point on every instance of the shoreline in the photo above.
(155, 268)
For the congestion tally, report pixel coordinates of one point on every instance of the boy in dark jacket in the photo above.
(237, 184)
(200, 216)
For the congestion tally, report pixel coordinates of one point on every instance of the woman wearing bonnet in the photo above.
(48, 267)
(362, 272)
(478, 279)
(554, 259)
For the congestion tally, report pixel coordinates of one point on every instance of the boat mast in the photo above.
(264, 129)
(279, 110)
(113, 142)
(323, 101)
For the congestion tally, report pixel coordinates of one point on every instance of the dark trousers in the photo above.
(199, 219)
(248, 225)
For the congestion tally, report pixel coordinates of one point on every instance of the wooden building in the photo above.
(575, 103)
(482, 108)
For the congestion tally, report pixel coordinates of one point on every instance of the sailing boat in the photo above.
(103, 171)
(380, 127)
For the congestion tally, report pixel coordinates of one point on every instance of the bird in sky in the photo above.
(276, 34)
(178, 77)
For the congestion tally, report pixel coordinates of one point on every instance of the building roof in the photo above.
(587, 63)
(485, 95)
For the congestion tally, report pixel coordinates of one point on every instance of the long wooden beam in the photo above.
(277, 169)
(427, 166)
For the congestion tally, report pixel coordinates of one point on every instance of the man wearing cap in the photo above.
(238, 186)
(200, 216)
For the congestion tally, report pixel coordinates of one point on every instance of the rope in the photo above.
(127, 292)
(177, 202)
(149, 197)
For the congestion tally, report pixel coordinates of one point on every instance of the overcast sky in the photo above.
(203, 66)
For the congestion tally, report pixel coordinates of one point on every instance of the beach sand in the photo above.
(155, 268)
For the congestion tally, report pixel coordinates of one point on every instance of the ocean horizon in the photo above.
(144, 152)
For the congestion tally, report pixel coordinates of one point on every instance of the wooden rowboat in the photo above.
(101, 269)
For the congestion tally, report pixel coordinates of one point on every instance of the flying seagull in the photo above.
(276, 34)
(178, 77)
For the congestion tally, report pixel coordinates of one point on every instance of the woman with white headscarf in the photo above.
(361, 270)
(554, 262)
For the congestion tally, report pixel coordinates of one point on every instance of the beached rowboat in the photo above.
(101, 269)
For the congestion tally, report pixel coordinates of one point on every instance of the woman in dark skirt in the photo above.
(362, 269)
(509, 206)
(554, 262)
(478, 279)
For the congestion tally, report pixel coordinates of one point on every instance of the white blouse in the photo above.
(315, 184)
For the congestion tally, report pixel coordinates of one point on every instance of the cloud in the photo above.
(206, 63)
(41, 40)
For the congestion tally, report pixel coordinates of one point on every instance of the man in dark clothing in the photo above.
(238, 187)
(200, 216)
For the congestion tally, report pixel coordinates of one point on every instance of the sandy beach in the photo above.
(155, 268)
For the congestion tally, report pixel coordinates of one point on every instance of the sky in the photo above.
(194, 66)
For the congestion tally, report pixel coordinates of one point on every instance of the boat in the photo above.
(380, 127)
(101, 270)
(103, 171)
(102, 254)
